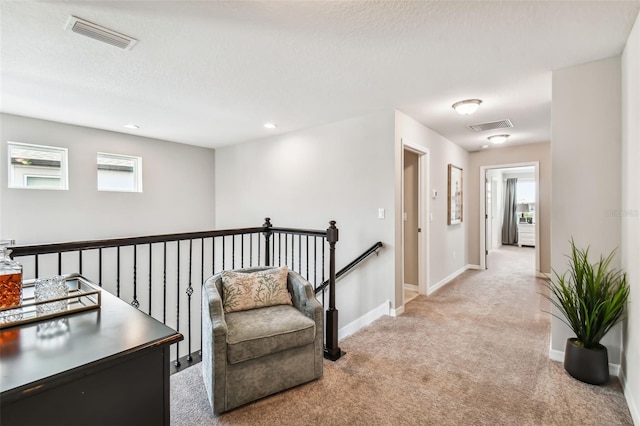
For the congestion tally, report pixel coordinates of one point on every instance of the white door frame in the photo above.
(423, 209)
(483, 195)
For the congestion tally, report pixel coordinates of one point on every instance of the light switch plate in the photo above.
(380, 213)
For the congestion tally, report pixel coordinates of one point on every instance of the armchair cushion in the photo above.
(249, 290)
(258, 332)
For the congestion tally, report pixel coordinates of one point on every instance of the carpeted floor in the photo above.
(473, 353)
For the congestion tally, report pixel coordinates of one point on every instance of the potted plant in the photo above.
(592, 298)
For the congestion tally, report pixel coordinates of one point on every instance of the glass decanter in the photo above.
(10, 279)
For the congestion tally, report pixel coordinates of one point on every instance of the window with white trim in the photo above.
(37, 166)
(121, 173)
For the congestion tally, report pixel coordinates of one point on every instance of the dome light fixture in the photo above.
(131, 126)
(270, 125)
(498, 139)
(466, 107)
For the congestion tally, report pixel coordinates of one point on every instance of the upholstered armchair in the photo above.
(248, 354)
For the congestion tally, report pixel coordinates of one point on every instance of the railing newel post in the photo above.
(267, 236)
(331, 350)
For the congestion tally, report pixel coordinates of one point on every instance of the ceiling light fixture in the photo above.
(131, 126)
(270, 125)
(485, 146)
(498, 139)
(466, 107)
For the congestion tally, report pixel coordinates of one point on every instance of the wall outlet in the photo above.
(380, 213)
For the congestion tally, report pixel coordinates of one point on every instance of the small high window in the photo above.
(119, 173)
(37, 166)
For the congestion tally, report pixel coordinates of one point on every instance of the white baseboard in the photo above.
(397, 312)
(364, 320)
(471, 266)
(449, 278)
(555, 355)
(631, 401)
(411, 287)
(541, 274)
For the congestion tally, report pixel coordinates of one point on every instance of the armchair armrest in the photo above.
(303, 296)
(214, 344)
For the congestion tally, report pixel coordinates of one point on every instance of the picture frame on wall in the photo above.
(454, 194)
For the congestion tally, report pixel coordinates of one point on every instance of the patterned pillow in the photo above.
(249, 290)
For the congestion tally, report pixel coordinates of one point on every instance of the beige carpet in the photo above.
(473, 353)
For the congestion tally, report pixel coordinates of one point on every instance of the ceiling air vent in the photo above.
(482, 127)
(96, 32)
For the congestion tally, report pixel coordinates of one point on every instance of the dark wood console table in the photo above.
(106, 366)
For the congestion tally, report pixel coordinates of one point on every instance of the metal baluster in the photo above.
(279, 248)
(223, 238)
(323, 245)
(213, 255)
(80, 261)
(242, 250)
(36, 267)
(164, 283)
(307, 239)
(177, 362)
(233, 252)
(315, 262)
(150, 280)
(60, 263)
(189, 293)
(135, 302)
(118, 271)
(300, 254)
(100, 267)
(202, 260)
(250, 250)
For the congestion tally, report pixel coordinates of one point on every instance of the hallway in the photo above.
(474, 352)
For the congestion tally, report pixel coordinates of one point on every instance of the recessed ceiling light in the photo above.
(270, 125)
(485, 146)
(498, 139)
(466, 107)
(131, 126)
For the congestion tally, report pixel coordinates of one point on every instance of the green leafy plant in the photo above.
(591, 296)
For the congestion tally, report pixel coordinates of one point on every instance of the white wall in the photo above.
(342, 171)
(631, 215)
(447, 244)
(586, 160)
(540, 152)
(178, 187)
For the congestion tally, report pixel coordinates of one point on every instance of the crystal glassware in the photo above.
(48, 289)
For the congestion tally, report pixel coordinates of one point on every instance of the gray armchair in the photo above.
(250, 354)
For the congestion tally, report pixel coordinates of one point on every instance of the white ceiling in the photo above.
(210, 73)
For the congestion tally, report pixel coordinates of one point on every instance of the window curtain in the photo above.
(510, 219)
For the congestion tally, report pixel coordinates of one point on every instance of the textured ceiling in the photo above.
(210, 73)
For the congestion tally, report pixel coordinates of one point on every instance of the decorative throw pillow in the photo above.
(249, 290)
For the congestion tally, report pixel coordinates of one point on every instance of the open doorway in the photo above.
(508, 212)
(414, 221)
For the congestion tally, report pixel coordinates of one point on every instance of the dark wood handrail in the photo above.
(29, 250)
(374, 248)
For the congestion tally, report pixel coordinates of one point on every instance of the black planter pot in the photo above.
(587, 365)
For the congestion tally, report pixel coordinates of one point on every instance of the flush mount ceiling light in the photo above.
(131, 126)
(498, 139)
(485, 146)
(270, 125)
(466, 107)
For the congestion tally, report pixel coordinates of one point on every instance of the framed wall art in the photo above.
(454, 194)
